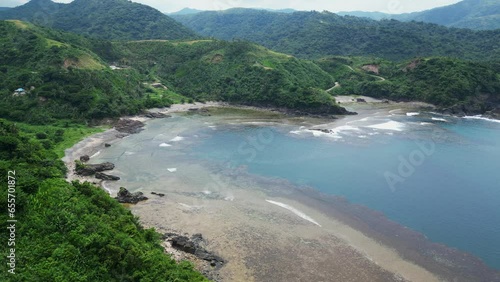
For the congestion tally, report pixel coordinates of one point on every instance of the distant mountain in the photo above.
(473, 14)
(286, 11)
(189, 11)
(111, 19)
(370, 15)
(315, 34)
(186, 11)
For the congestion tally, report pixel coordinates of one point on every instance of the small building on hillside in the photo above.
(19, 92)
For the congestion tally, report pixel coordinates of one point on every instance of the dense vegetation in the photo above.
(315, 35)
(72, 231)
(441, 81)
(473, 14)
(110, 19)
(238, 72)
(63, 80)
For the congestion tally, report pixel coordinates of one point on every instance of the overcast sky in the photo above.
(386, 6)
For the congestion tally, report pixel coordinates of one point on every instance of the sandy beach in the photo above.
(268, 230)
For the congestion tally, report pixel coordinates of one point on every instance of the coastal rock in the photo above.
(323, 130)
(156, 115)
(84, 158)
(103, 176)
(91, 169)
(193, 246)
(124, 196)
(360, 100)
(129, 126)
(158, 194)
(184, 244)
(107, 145)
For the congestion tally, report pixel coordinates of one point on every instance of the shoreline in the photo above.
(344, 217)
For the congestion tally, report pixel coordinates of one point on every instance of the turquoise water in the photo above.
(451, 193)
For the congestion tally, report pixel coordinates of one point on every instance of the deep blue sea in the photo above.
(439, 176)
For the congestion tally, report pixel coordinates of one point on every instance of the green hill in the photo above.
(62, 80)
(111, 19)
(314, 35)
(459, 87)
(238, 72)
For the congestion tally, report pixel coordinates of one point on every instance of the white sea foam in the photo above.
(127, 153)
(323, 134)
(412, 114)
(295, 211)
(426, 123)
(390, 125)
(177, 139)
(482, 118)
(346, 128)
(439, 119)
(165, 145)
(96, 154)
(172, 169)
(297, 132)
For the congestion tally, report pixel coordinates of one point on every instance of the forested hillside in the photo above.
(62, 80)
(461, 87)
(315, 34)
(237, 72)
(110, 19)
(72, 231)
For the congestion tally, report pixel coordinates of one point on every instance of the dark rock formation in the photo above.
(103, 176)
(323, 130)
(91, 169)
(158, 194)
(193, 246)
(129, 126)
(84, 158)
(124, 196)
(360, 100)
(156, 115)
(107, 145)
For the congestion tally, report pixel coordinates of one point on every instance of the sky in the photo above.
(386, 6)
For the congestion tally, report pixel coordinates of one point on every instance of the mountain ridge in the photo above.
(111, 19)
(316, 34)
(473, 14)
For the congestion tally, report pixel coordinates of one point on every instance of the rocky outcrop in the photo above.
(129, 126)
(91, 169)
(193, 246)
(103, 176)
(322, 130)
(156, 115)
(125, 197)
(84, 158)
(107, 145)
(158, 194)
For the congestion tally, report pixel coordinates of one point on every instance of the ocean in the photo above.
(437, 175)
